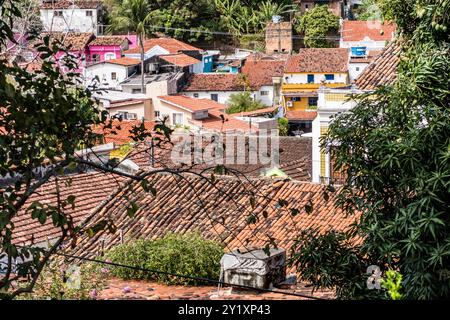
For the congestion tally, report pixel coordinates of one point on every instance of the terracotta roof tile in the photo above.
(319, 60)
(120, 133)
(180, 59)
(382, 71)
(213, 82)
(301, 115)
(90, 189)
(220, 121)
(294, 156)
(195, 204)
(65, 4)
(261, 72)
(124, 61)
(192, 104)
(171, 45)
(109, 41)
(354, 30)
(77, 40)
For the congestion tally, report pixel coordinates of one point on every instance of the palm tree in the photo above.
(132, 15)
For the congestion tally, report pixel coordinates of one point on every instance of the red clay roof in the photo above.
(227, 123)
(318, 60)
(151, 290)
(256, 112)
(180, 59)
(354, 30)
(65, 4)
(301, 115)
(124, 61)
(120, 133)
(77, 40)
(382, 71)
(214, 82)
(171, 45)
(261, 72)
(90, 189)
(294, 154)
(196, 204)
(109, 41)
(192, 104)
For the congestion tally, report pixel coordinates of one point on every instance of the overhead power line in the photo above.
(223, 33)
(218, 282)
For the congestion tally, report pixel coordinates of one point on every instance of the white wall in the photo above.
(103, 71)
(72, 20)
(266, 100)
(197, 68)
(303, 78)
(138, 108)
(355, 69)
(166, 109)
(155, 51)
(370, 44)
(223, 96)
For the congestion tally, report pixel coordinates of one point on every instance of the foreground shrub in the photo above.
(187, 254)
(62, 281)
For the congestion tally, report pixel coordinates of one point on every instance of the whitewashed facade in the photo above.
(109, 75)
(73, 18)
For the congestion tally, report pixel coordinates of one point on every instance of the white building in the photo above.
(109, 74)
(382, 71)
(71, 15)
(128, 106)
(363, 36)
(262, 78)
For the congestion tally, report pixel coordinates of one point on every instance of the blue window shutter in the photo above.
(310, 78)
(329, 77)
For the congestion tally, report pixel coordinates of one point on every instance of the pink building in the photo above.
(78, 42)
(105, 48)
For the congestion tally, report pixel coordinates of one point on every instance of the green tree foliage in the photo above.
(316, 25)
(368, 10)
(393, 284)
(45, 116)
(283, 126)
(60, 281)
(395, 151)
(241, 102)
(187, 254)
(132, 15)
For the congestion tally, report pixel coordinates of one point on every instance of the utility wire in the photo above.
(187, 277)
(230, 33)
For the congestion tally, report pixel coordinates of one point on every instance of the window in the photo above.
(126, 115)
(177, 118)
(157, 114)
(136, 91)
(312, 101)
(357, 68)
(96, 57)
(296, 99)
(264, 93)
(89, 13)
(329, 77)
(215, 97)
(110, 56)
(195, 95)
(113, 76)
(310, 78)
(58, 13)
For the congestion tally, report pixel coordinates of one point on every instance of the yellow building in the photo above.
(308, 70)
